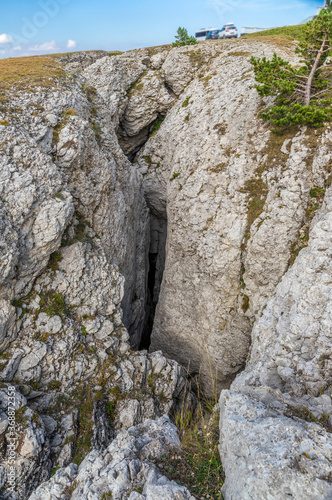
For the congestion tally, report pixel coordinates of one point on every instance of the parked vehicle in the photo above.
(201, 34)
(213, 35)
(228, 31)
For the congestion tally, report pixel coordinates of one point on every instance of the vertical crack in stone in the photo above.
(157, 254)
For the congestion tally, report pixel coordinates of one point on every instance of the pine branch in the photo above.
(312, 73)
(321, 92)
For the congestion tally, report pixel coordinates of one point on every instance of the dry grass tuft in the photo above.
(27, 72)
(197, 465)
(294, 32)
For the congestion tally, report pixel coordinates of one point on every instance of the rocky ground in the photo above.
(144, 204)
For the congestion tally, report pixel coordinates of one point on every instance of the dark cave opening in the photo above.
(151, 304)
(139, 304)
(131, 145)
(157, 254)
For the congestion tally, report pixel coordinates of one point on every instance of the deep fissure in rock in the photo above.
(139, 308)
(131, 145)
(157, 255)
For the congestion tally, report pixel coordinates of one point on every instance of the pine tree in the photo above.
(303, 94)
(182, 38)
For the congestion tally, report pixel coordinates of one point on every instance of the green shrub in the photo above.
(303, 94)
(182, 38)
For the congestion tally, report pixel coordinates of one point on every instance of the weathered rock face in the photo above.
(141, 193)
(74, 257)
(287, 381)
(235, 198)
(73, 363)
(123, 470)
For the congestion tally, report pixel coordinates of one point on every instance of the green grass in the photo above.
(148, 159)
(197, 465)
(90, 91)
(137, 85)
(107, 495)
(156, 126)
(71, 112)
(305, 414)
(186, 101)
(291, 32)
(110, 410)
(97, 130)
(53, 472)
(257, 193)
(85, 425)
(20, 417)
(80, 232)
(53, 263)
(54, 385)
(245, 303)
(317, 192)
(65, 118)
(53, 304)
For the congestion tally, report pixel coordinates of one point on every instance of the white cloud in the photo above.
(71, 44)
(44, 47)
(4, 38)
(17, 48)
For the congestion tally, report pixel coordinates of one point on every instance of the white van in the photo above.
(201, 34)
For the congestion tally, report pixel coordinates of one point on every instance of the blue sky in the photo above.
(30, 27)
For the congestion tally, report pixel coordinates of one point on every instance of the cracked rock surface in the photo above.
(276, 421)
(141, 192)
(122, 470)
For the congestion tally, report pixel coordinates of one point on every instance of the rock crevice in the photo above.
(144, 205)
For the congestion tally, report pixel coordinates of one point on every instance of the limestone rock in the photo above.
(286, 382)
(123, 470)
(30, 444)
(74, 362)
(235, 201)
(268, 455)
(142, 193)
